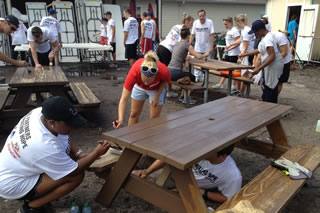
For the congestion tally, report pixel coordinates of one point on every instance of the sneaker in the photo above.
(197, 79)
(43, 209)
(172, 95)
(181, 98)
(233, 88)
(113, 65)
(235, 93)
(218, 86)
(190, 100)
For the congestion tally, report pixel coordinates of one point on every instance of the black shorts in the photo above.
(164, 55)
(113, 45)
(42, 58)
(269, 95)
(32, 194)
(233, 59)
(250, 59)
(131, 50)
(177, 74)
(285, 74)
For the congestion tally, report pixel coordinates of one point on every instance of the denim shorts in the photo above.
(140, 94)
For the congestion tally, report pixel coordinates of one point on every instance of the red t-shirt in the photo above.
(134, 77)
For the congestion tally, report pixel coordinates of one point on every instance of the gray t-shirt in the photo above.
(179, 54)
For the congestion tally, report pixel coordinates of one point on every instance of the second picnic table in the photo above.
(182, 139)
(216, 65)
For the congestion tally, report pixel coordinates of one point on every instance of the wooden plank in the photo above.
(262, 147)
(107, 160)
(83, 94)
(272, 190)
(154, 194)
(189, 190)
(163, 177)
(21, 99)
(188, 87)
(277, 133)
(117, 177)
(212, 64)
(229, 133)
(3, 97)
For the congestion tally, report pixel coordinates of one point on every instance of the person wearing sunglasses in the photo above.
(147, 79)
(8, 25)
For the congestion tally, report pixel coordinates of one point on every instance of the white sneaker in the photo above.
(171, 94)
(113, 65)
(190, 100)
(233, 88)
(197, 79)
(218, 86)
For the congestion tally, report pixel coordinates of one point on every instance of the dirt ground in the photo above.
(302, 93)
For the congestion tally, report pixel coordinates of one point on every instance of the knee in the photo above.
(77, 179)
(134, 115)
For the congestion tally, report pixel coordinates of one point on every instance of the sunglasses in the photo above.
(12, 27)
(149, 71)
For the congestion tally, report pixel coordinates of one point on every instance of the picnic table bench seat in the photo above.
(272, 190)
(84, 95)
(185, 88)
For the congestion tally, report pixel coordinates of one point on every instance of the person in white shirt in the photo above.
(131, 36)
(246, 45)
(111, 34)
(232, 49)
(41, 39)
(19, 37)
(271, 61)
(218, 176)
(103, 34)
(53, 24)
(146, 33)
(202, 31)
(39, 163)
(154, 25)
(267, 23)
(8, 25)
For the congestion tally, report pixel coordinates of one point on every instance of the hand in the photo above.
(206, 54)
(250, 75)
(211, 51)
(155, 100)
(38, 66)
(102, 148)
(117, 123)
(111, 42)
(82, 155)
(226, 48)
(140, 173)
(60, 44)
(22, 64)
(51, 56)
(124, 44)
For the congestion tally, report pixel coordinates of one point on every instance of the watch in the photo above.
(78, 153)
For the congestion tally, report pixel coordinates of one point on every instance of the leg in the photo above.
(155, 111)
(56, 60)
(229, 82)
(206, 83)
(280, 88)
(50, 190)
(277, 133)
(136, 108)
(114, 58)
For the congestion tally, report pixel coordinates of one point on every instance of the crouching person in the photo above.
(218, 176)
(38, 163)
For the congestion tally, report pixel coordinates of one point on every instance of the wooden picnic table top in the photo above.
(217, 65)
(47, 75)
(183, 138)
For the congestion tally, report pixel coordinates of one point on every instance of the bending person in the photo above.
(147, 79)
(179, 55)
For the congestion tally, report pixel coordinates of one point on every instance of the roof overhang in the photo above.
(253, 2)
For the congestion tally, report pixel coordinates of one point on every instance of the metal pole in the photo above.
(8, 7)
(160, 19)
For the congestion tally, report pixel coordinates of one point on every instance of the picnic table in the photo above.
(88, 46)
(182, 139)
(212, 64)
(49, 80)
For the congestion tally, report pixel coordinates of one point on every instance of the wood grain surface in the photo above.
(212, 64)
(83, 94)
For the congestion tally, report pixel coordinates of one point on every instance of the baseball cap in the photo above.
(12, 20)
(265, 16)
(149, 13)
(52, 11)
(257, 25)
(58, 108)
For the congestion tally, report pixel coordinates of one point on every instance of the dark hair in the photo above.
(144, 14)
(226, 151)
(293, 17)
(202, 10)
(185, 32)
(36, 32)
(108, 13)
(228, 19)
(104, 19)
(128, 11)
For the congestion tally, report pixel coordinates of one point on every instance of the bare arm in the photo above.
(4, 58)
(59, 38)
(34, 53)
(191, 38)
(122, 107)
(284, 50)
(269, 60)
(245, 47)
(211, 42)
(142, 31)
(234, 44)
(113, 33)
(195, 54)
(156, 165)
(217, 196)
(125, 38)
(295, 34)
(155, 100)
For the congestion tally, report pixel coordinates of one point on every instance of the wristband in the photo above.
(78, 153)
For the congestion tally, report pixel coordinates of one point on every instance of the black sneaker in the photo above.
(43, 209)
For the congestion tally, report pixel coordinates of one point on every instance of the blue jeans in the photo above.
(140, 94)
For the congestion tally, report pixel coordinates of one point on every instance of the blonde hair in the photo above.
(187, 17)
(151, 59)
(243, 18)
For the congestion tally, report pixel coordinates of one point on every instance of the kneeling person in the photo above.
(38, 163)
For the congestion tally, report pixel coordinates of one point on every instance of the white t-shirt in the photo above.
(19, 36)
(268, 26)
(132, 27)
(281, 40)
(148, 29)
(102, 31)
(110, 23)
(202, 34)
(245, 36)
(47, 37)
(225, 176)
(273, 71)
(172, 38)
(231, 36)
(154, 25)
(53, 24)
(30, 150)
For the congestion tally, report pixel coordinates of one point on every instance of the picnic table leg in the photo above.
(206, 84)
(229, 82)
(189, 190)
(117, 177)
(277, 133)
(22, 97)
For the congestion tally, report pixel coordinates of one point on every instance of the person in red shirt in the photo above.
(147, 79)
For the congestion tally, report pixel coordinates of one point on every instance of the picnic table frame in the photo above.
(212, 64)
(182, 139)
